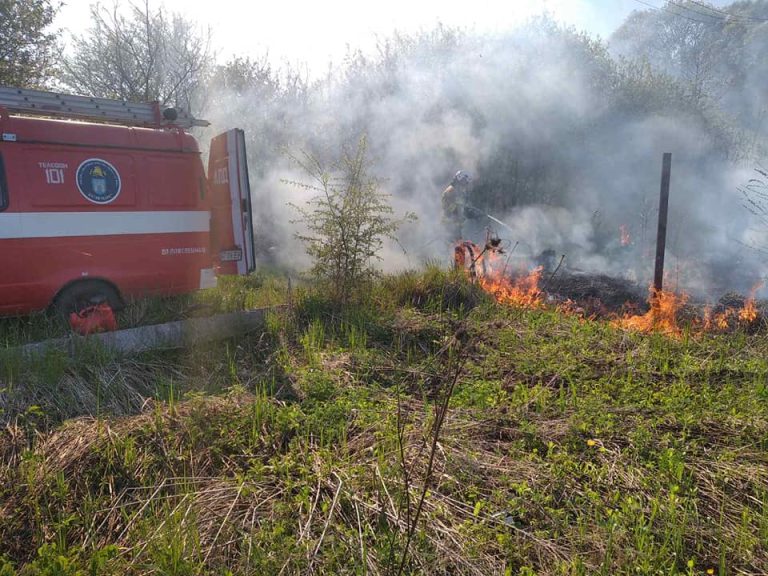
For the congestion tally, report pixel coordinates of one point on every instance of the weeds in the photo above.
(366, 440)
(94, 381)
(233, 293)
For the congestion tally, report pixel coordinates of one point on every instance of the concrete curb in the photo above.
(169, 336)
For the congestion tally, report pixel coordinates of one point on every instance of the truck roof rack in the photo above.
(52, 104)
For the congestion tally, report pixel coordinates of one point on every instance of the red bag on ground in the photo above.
(93, 319)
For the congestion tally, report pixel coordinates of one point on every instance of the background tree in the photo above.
(718, 54)
(681, 41)
(26, 42)
(246, 77)
(263, 96)
(144, 55)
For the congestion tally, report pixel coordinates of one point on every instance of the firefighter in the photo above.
(453, 201)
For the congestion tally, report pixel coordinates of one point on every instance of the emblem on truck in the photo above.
(98, 181)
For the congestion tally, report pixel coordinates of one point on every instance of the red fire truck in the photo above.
(108, 200)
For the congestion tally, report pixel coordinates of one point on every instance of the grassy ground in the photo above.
(232, 293)
(426, 431)
(47, 389)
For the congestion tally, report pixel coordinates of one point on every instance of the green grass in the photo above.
(570, 448)
(45, 389)
(233, 293)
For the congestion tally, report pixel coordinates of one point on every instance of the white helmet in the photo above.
(461, 177)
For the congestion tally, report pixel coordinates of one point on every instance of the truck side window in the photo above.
(3, 186)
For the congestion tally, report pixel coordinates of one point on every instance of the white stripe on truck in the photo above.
(62, 224)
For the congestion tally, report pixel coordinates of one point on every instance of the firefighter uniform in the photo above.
(452, 199)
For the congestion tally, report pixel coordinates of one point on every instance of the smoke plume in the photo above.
(563, 142)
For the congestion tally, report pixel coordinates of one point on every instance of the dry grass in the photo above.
(569, 448)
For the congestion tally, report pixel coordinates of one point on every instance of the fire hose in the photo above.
(494, 219)
(508, 227)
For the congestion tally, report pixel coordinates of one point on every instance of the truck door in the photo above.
(231, 212)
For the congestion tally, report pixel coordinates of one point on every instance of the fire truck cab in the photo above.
(107, 200)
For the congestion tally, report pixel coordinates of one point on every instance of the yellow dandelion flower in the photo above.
(710, 571)
(591, 442)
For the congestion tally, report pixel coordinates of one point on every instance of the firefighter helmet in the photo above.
(461, 177)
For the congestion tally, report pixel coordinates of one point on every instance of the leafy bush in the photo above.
(346, 221)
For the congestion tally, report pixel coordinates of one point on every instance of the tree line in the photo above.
(143, 52)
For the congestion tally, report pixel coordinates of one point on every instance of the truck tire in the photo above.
(84, 293)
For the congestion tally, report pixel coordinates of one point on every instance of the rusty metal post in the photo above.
(661, 236)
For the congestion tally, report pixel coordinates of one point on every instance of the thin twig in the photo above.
(555, 272)
(327, 523)
(127, 526)
(221, 526)
(439, 420)
(506, 262)
(363, 555)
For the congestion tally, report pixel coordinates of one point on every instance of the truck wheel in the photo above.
(80, 295)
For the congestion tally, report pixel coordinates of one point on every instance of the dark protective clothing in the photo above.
(452, 200)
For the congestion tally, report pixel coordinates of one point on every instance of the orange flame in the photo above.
(625, 238)
(748, 313)
(730, 318)
(571, 308)
(487, 266)
(662, 317)
(523, 291)
(721, 320)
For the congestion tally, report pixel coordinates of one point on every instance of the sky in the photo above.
(311, 34)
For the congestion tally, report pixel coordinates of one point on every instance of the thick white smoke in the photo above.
(563, 143)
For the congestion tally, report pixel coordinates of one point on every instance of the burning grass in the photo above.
(520, 291)
(489, 267)
(661, 317)
(600, 297)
